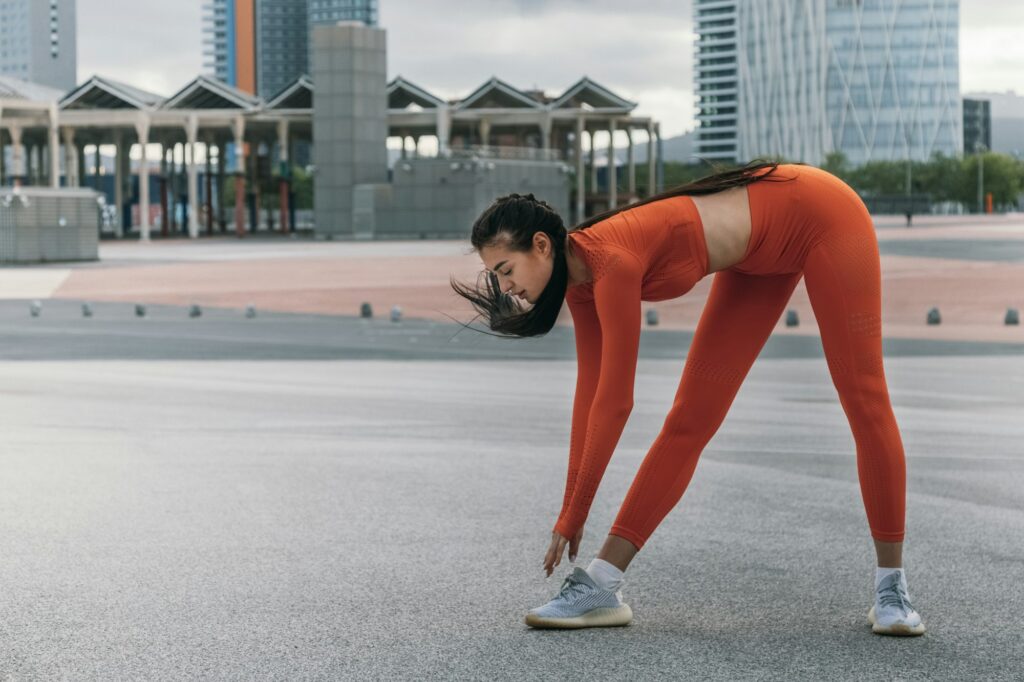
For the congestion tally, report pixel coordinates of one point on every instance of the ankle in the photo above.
(606, 575)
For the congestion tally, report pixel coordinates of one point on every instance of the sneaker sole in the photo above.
(897, 629)
(595, 618)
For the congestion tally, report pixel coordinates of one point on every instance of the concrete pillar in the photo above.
(70, 160)
(405, 145)
(119, 152)
(485, 132)
(593, 163)
(252, 167)
(444, 130)
(343, 160)
(652, 179)
(208, 182)
(660, 167)
(17, 155)
(191, 132)
(545, 132)
(221, 219)
(80, 171)
(238, 128)
(631, 164)
(612, 171)
(580, 171)
(53, 145)
(164, 214)
(285, 175)
(44, 163)
(142, 131)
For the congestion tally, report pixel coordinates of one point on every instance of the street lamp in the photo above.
(980, 149)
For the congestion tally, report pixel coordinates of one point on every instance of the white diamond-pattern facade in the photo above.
(874, 79)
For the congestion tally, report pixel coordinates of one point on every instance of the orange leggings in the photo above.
(816, 227)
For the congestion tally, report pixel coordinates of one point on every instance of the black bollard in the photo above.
(934, 317)
(652, 317)
(1012, 317)
(366, 310)
(792, 319)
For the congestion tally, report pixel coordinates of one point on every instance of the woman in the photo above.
(759, 228)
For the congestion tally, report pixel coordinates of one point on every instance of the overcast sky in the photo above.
(641, 49)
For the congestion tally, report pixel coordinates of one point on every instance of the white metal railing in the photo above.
(497, 152)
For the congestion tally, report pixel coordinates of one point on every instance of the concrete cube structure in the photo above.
(40, 224)
(425, 197)
(350, 126)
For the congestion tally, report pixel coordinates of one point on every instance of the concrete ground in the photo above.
(310, 495)
(169, 513)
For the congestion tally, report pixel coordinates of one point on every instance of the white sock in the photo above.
(606, 575)
(881, 573)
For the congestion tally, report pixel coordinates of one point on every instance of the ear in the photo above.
(542, 242)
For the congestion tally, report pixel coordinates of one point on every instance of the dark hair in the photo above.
(514, 219)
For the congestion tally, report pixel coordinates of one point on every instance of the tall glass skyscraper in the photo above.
(37, 42)
(874, 79)
(330, 11)
(282, 44)
(261, 46)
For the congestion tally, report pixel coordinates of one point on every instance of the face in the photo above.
(522, 273)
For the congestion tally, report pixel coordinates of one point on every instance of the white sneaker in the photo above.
(892, 612)
(581, 603)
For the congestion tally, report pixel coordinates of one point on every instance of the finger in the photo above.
(559, 550)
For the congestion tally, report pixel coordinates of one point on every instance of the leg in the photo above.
(737, 320)
(843, 280)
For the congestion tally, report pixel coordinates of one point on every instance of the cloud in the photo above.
(156, 46)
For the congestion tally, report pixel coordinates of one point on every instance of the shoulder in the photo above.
(616, 262)
(602, 255)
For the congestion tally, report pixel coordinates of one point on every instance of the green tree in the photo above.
(1002, 177)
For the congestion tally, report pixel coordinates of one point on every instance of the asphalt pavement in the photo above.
(305, 497)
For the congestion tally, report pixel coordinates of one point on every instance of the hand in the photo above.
(558, 543)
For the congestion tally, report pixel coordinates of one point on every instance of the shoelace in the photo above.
(570, 586)
(894, 595)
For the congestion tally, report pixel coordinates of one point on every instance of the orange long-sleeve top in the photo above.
(652, 252)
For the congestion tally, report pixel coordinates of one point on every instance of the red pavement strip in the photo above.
(972, 295)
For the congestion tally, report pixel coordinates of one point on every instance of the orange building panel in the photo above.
(245, 45)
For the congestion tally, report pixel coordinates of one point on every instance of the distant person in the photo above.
(760, 228)
(910, 216)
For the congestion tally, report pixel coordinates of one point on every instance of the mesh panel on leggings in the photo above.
(838, 365)
(714, 373)
(859, 273)
(866, 324)
(871, 363)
